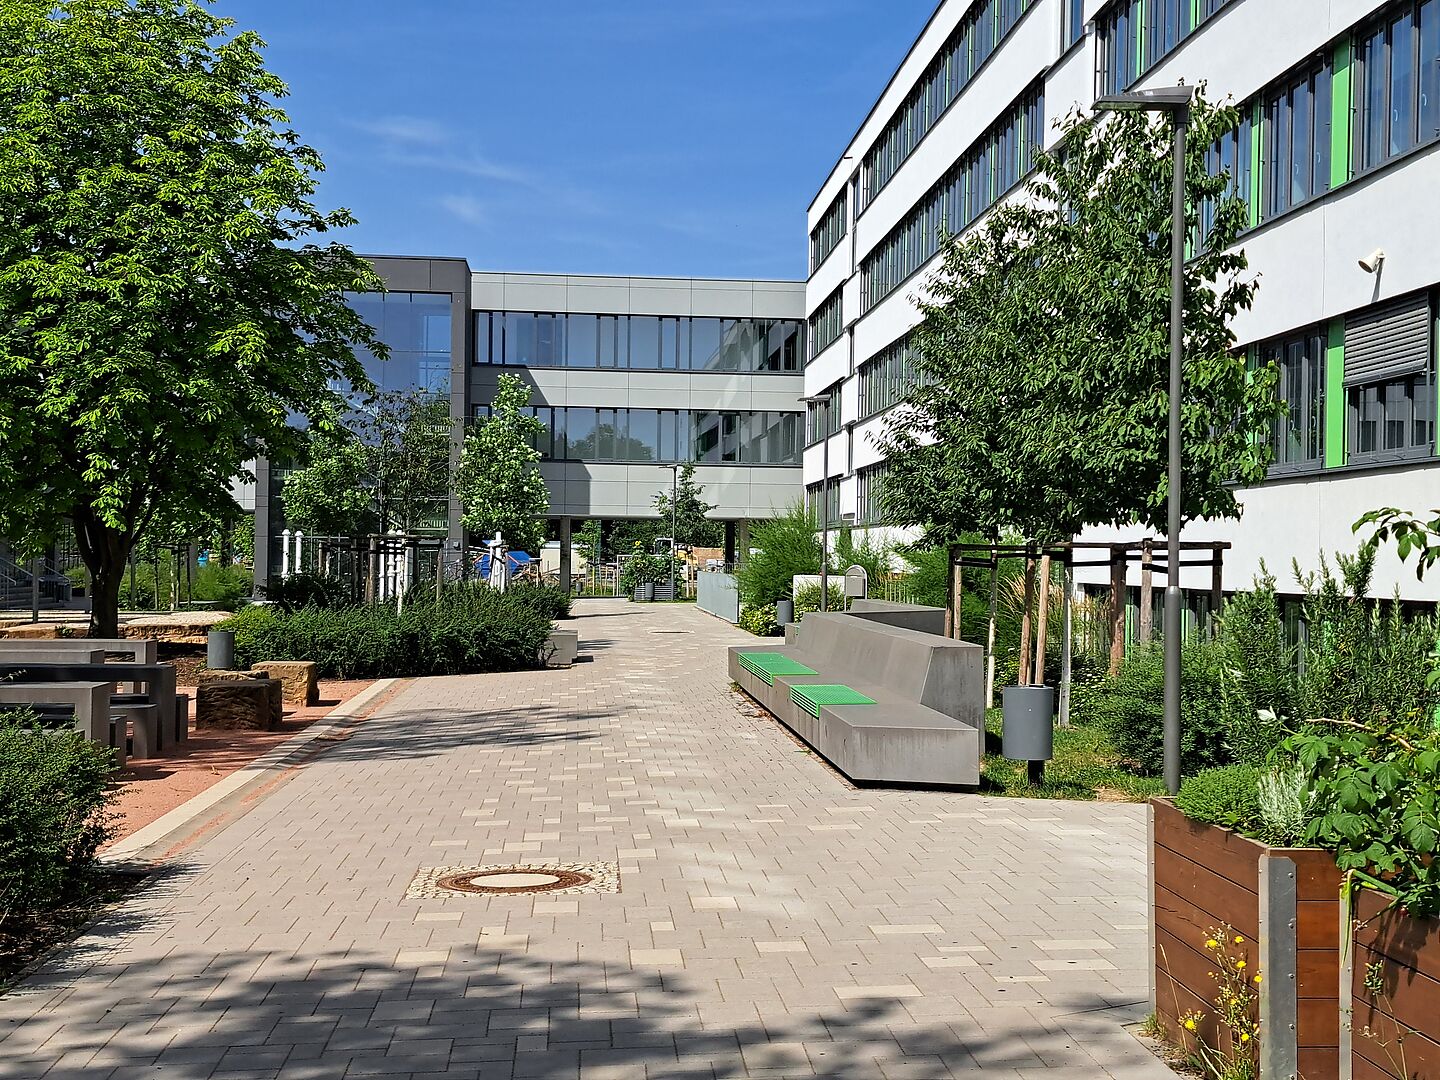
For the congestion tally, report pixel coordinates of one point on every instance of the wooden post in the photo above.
(1147, 592)
(990, 631)
(1024, 676)
(372, 570)
(950, 591)
(1067, 580)
(1041, 623)
(1117, 607)
(1217, 587)
(439, 568)
(957, 593)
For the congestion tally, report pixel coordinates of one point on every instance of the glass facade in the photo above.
(1135, 35)
(871, 483)
(887, 377)
(575, 433)
(1298, 437)
(967, 48)
(985, 172)
(1397, 94)
(1392, 419)
(830, 495)
(416, 327)
(827, 235)
(823, 417)
(828, 323)
(638, 342)
(1233, 156)
(1297, 141)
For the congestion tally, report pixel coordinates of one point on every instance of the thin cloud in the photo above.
(412, 130)
(467, 208)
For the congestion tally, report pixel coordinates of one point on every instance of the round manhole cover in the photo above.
(514, 879)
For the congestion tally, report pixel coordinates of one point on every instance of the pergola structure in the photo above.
(1149, 553)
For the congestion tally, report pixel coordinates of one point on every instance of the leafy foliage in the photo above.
(1228, 796)
(692, 527)
(785, 545)
(1130, 707)
(471, 628)
(54, 791)
(1258, 685)
(163, 311)
(499, 482)
(406, 438)
(304, 589)
(807, 598)
(329, 494)
(759, 619)
(1042, 400)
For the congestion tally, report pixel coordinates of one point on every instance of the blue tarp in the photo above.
(518, 560)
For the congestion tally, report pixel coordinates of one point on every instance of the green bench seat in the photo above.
(812, 697)
(766, 665)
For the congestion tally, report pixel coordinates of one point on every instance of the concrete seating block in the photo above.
(182, 717)
(927, 620)
(147, 740)
(298, 678)
(562, 648)
(248, 703)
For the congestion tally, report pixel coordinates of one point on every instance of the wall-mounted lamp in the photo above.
(1371, 263)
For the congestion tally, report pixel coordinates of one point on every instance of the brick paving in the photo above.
(772, 921)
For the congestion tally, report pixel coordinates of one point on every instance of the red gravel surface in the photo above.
(150, 789)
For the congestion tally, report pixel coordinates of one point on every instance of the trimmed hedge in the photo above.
(54, 790)
(470, 628)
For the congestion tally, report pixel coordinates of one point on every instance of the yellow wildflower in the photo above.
(1190, 1025)
(1244, 1037)
(1212, 944)
(1257, 978)
(1239, 963)
(1239, 940)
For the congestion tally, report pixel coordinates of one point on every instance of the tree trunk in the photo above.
(1024, 673)
(105, 551)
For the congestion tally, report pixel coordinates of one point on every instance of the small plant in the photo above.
(1228, 797)
(759, 619)
(1394, 1046)
(807, 599)
(1285, 800)
(1235, 1054)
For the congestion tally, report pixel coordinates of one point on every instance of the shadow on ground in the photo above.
(424, 733)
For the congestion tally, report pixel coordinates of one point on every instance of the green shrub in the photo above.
(807, 599)
(1228, 796)
(1130, 707)
(225, 585)
(759, 619)
(641, 569)
(470, 628)
(784, 546)
(301, 590)
(547, 600)
(1258, 679)
(54, 790)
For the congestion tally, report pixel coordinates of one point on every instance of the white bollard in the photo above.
(285, 553)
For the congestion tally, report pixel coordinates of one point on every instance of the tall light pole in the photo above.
(826, 400)
(1174, 101)
(674, 468)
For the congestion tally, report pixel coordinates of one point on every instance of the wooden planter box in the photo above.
(1285, 902)
(1408, 949)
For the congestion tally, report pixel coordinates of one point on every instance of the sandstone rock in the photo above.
(298, 677)
(244, 704)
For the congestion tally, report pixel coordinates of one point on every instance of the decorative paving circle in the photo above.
(439, 882)
(514, 879)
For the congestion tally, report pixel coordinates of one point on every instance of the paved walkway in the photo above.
(772, 921)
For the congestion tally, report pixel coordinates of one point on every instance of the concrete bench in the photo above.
(88, 704)
(136, 650)
(562, 648)
(158, 680)
(928, 620)
(38, 652)
(909, 711)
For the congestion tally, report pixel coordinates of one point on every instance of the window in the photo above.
(995, 163)
(828, 234)
(642, 342)
(577, 433)
(1231, 155)
(1074, 21)
(416, 327)
(1398, 83)
(824, 417)
(887, 377)
(871, 483)
(1299, 436)
(1135, 35)
(827, 324)
(1297, 142)
(967, 48)
(1390, 380)
(830, 495)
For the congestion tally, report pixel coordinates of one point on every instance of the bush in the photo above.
(1259, 673)
(471, 628)
(784, 547)
(759, 619)
(54, 789)
(225, 585)
(807, 599)
(303, 590)
(547, 600)
(1131, 707)
(1228, 796)
(640, 569)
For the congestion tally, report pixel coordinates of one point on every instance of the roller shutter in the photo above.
(1389, 341)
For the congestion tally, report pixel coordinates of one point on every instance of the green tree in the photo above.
(784, 546)
(1041, 403)
(329, 494)
(692, 527)
(162, 310)
(499, 481)
(406, 435)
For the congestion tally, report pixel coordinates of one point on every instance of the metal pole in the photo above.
(1173, 492)
(674, 540)
(37, 567)
(825, 518)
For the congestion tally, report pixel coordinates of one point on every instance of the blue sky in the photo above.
(615, 136)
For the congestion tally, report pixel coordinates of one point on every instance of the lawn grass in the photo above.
(1086, 766)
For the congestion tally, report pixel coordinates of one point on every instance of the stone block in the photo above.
(299, 679)
(243, 704)
(562, 648)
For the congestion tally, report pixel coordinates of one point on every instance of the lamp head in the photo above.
(1371, 263)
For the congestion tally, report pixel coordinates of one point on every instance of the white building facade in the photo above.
(1339, 153)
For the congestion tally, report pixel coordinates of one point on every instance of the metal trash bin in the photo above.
(1028, 731)
(784, 612)
(220, 650)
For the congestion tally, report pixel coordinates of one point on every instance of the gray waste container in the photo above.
(220, 650)
(784, 612)
(1029, 726)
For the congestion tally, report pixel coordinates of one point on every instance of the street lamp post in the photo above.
(674, 493)
(1174, 101)
(826, 400)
